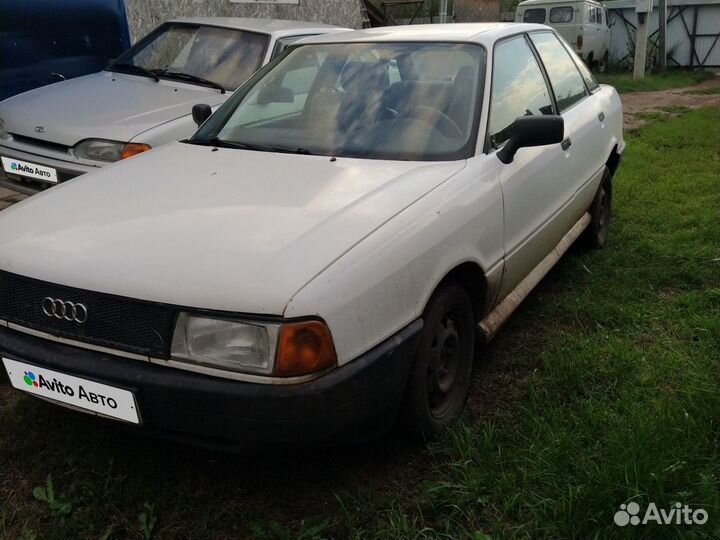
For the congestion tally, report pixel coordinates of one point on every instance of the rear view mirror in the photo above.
(529, 131)
(200, 113)
(274, 93)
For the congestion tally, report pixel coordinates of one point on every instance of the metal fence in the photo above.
(693, 33)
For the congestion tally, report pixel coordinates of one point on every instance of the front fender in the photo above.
(385, 281)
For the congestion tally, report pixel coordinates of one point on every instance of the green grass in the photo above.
(675, 78)
(604, 388)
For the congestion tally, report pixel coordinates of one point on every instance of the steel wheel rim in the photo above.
(444, 366)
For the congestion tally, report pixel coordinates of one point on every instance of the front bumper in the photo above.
(356, 402)
(66, 170)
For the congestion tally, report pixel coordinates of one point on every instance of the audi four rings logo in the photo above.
(68, 311)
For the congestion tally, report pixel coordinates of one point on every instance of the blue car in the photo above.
(47, 41)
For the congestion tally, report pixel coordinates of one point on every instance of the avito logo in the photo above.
(54, 385)
(13, 166)
(30, 379)
(678, 514)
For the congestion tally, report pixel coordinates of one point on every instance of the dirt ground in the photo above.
(638, 104)
(8, 198)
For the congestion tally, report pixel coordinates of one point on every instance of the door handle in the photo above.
(601, 116)
(566, 144)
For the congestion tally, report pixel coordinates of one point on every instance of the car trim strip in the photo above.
(171, 363)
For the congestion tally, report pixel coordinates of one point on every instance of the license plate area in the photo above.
(75, 392)
(27, 169)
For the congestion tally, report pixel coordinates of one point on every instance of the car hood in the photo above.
(218, 229)
(103, 105)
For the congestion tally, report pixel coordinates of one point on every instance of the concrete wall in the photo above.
(477, 10)
(144, 15)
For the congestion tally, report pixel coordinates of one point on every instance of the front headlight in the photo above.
(225, 344)
(110, 151)
(284, 350)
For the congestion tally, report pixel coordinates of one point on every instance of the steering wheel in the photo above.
(435, 117)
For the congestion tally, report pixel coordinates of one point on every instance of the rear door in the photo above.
(604, 32)
(584, 125)
(593, 32)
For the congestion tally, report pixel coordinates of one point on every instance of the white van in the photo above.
(583, 23)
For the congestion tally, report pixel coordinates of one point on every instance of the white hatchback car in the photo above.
(140, 101)
(317, 265)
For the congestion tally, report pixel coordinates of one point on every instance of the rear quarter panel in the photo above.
(611, 105)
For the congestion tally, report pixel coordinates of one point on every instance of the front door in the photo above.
(533, 184)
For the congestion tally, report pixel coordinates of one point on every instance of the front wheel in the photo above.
(439, 379)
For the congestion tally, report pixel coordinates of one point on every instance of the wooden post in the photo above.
(641, 37)
(443, 11)
(662, 35)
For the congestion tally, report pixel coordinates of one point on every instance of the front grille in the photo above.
(116, 322)
(39, 142)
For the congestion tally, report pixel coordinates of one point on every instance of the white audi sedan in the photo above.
(319, 262)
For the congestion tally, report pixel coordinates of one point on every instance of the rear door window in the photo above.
(590, 80)
(564, 76)
(563, 14)
(534, 16)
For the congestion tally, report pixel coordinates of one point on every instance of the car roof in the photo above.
(483, 33)
(544, 2)
(275, 27)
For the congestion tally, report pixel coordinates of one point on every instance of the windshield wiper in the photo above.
(191, 78)
(220, 143)
(133, 70)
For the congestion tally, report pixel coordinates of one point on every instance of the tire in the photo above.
(440, 376)
(595, 236)
(603, 65)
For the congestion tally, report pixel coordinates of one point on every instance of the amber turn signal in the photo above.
(304, 347)
(133, 149)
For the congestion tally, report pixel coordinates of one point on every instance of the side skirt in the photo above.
(490, 325)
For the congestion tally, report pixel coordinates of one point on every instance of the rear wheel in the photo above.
(440, 376)
(603, 65)
(590, 61)
(596, 234)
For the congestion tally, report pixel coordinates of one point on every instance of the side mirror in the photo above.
(529, 131)
(200, 113)
(274, 93)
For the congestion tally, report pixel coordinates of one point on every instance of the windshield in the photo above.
(405, 101)
(218, 55)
